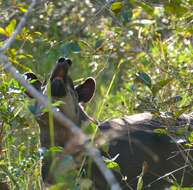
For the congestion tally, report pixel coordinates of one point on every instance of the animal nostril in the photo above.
(69, 61)
(61, 60)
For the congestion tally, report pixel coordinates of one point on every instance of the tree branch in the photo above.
(18, 29)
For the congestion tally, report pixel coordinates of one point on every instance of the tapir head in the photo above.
(61, 88)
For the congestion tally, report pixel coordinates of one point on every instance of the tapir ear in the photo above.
(86, 90)
(32, 78)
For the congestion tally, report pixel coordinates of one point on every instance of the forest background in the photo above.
(139, 52)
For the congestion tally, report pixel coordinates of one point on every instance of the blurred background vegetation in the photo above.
(139, 52)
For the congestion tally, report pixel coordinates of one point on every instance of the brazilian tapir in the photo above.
(163, 159)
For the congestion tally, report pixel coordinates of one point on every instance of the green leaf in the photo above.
(58, 103)
(190, 137)
(22, 9)
(90, 129)
(161, 131)
(180, 188)
(111, 163)
(179, 112)
(38, 33)
(56, 149)
(2, 31)
(114, 166)
(127, 15)
(146, 7)
(58, 186)
(116, 7)
(84, 44)
(2, 163)
(11, 27)
(144, 78)
(99, 43)
(140, 183)
(143, 172)
(159, 85)
(175, 7)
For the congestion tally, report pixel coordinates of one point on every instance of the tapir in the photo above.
(145, 157)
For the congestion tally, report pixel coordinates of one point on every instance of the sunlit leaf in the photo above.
(22, 56)
(116, 7)
(58, 103)
(2, 31)
(180, 188)
(38, 33)
(113, 165)
(90, 129)
(29, 56)
(22, 9)
(161, 131)
(56, 149)
(140, 183)
(11, 27)
(190, 137)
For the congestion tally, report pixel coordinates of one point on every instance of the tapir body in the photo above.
(135, 147)
(159, 154)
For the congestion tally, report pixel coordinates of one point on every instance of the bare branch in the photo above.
(18, 29)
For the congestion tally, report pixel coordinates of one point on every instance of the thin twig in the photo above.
(18, 29)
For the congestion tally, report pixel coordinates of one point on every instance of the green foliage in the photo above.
(116, 7)
(139, 52)
(112, 164)
(8, 29)
(17, 136)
